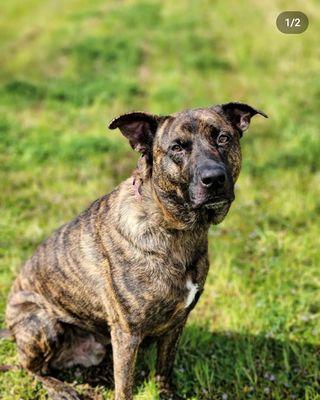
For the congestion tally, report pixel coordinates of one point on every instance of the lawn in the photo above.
(68, 67)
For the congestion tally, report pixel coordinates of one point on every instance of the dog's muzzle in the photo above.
(211, 187)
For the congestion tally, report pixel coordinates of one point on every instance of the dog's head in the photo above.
(193, 157)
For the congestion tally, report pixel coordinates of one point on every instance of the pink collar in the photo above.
(136, 185)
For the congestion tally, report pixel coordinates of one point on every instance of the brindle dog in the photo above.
(133, 265)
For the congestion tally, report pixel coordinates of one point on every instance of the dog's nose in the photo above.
(213, 177)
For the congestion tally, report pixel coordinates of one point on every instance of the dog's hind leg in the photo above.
(38, 334)
(58, 390)
(36, 330)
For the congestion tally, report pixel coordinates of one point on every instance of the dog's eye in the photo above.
(223, 139)
(176, 148)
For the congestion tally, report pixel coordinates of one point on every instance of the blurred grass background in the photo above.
(68, 67)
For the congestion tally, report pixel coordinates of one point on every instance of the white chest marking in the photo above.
(192, 288)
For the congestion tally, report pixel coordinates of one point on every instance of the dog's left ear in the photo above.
(239, 114)
(139, 128)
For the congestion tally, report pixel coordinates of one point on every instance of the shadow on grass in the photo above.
(229, 365)
(224, 365)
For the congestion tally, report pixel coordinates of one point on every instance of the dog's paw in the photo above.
(58, 390)
(166, 391)
(170, 395)
(66, 393)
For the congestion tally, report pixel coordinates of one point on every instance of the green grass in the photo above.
(68, 67)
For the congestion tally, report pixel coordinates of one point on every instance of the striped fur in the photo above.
(123, 270)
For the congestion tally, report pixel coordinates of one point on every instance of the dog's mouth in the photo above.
(217, 205)
(216, 199)
(213, 210)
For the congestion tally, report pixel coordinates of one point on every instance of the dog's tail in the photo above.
(5, 334)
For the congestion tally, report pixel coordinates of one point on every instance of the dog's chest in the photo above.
(153, 306)
(192, 289)
(176, 305)
(158, 280)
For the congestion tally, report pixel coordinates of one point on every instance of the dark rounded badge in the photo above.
(292, 22)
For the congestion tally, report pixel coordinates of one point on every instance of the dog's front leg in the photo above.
(167, 348)
(124, 348)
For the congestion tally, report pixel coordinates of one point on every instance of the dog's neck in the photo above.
(170, 215)
(148, 224)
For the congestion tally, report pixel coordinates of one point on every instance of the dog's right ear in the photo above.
(139, 128)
